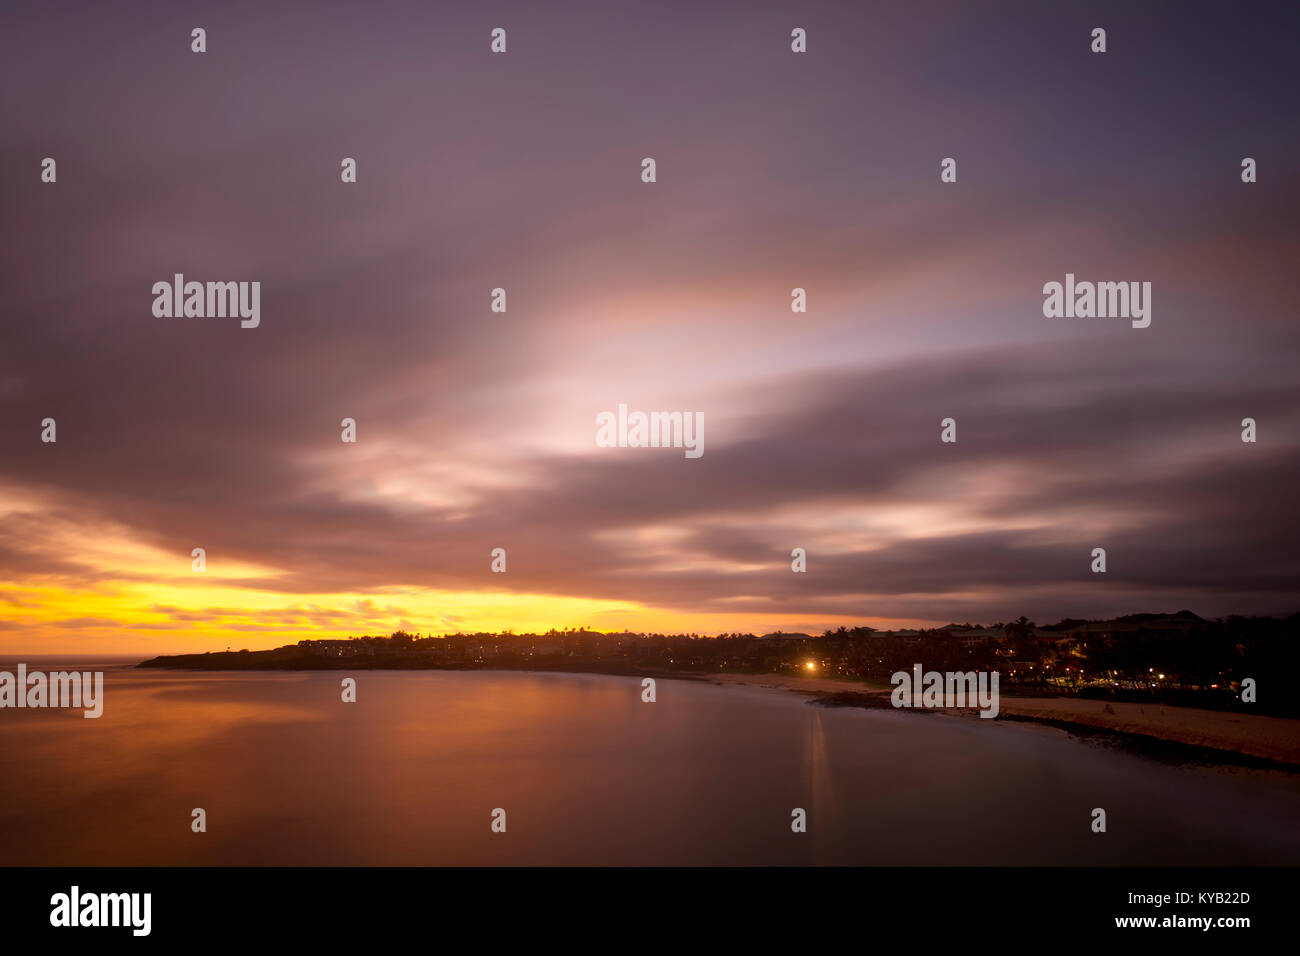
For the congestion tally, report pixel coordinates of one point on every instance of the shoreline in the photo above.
(1180, 734)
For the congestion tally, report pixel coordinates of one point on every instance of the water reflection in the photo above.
(587, 773)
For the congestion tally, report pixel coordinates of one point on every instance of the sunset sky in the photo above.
(775, 170)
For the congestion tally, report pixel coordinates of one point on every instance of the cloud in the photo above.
(822, 428)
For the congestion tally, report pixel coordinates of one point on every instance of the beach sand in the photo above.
(1269, 738)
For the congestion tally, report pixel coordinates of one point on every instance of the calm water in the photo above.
(588, 774)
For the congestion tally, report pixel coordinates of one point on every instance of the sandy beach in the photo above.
(1269, 738)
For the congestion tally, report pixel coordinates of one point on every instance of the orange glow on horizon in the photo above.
(132, 597)
(131, 617)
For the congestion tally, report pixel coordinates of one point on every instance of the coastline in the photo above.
(1182, 734)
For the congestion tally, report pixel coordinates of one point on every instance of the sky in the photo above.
(522, 170)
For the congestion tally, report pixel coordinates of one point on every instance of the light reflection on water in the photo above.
(587, 773)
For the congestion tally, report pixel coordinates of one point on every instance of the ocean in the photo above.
(586, 773)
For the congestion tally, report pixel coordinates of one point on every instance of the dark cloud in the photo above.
(775, 171)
